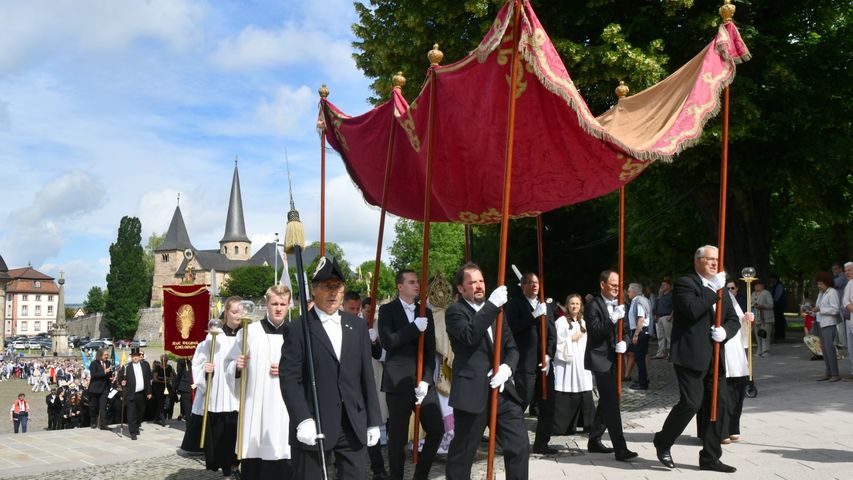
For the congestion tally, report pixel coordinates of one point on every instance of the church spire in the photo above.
(177, 237)
(235, 225)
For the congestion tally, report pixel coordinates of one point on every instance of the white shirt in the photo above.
(409, 309)
(332, 326)
(137, 374)
(847, 299)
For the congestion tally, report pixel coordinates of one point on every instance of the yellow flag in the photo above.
(123, 357)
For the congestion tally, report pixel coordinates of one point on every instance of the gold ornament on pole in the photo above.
(214, 328)
(727, 11)
(748, 276)
(435, 55)
(622, 90)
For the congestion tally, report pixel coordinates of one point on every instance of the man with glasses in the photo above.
(694, 332)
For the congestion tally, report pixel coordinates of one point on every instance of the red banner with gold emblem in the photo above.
(185, 316)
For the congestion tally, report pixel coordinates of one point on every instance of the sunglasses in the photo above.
(732, 288)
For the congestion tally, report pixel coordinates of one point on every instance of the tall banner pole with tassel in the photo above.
(321, 125)
(543, 329)
(510, 140)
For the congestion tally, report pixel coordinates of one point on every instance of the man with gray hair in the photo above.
(638, 320)
(847, 306)
(694, 333)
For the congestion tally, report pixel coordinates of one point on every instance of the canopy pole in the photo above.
(510, 139)
(467, 243)
(398, 81)
(543, 330)
(621, 92)
(727, 11)
(435, 55)
(324, 93)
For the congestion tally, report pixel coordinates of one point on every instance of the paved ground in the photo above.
(796, 429)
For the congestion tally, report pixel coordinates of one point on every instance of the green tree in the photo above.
(446, 247)
(789, 198)
(364, 278)
(249, 282)
(334, 250)
(126, 280)
(154, 242)
(95, 300)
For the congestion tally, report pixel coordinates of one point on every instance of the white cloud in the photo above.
(37, 29)
(287, 112)
(80, 276)
(73, 193)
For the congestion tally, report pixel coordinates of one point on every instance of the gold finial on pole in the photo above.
(622, 90)
(435, 56)
(323, 91)
(727, 11)
(398, 80)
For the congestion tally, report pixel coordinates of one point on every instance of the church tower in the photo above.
(169, 256)
(235, 244)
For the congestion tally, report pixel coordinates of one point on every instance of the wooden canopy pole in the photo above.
(435, 55)
(621, 92)
(467, 243)
(727, 11)
(543, 330)
(510, 139)
(324, 93)
(399, 81)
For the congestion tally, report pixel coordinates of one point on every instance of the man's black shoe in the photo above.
(625, 455)
(637, 386)
(133, 436)
(718, 466)
(665, 457)
(105, 428)
(93, 426)
(595, 446)
(545, 450)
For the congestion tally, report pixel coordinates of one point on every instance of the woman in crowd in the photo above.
(71, 413)
(572, 382)
(827, 309)
(762, 303)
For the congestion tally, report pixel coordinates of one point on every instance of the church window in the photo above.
(165, 257)
(236, 250)
(247, 250)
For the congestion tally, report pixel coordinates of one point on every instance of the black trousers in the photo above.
(607, 415)
(729, 417)
(571, 409)
(400, 408)
(350, 456)
(98, 407)
(511, 435)
(694, 388)
(192, 434)
(545, 411)
(258, 469)
(54, 420)
(160, 401)
(186, 404)
(219, 446)
(135, 404)
(640, 352)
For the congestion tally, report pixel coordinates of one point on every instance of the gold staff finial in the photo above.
(727, 11)
(398, 80)
(622, 90)
(435, 55)
(323, 91)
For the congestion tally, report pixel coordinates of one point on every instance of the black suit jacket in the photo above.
(473, 350)
(183, 378)
(400, 341)
(53, 404)
(126, 373)
(692, 317)
(99, 379)
(601, 336)
(526, 333)
(347, 384)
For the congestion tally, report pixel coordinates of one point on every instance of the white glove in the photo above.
(498, 297)
(306, 432)
(372, 436)
(718, 334)
(540, 310)
(373, 335)
(621, 347)
(421, 392)
(421, 323)
(719, 281)
(498, 380)
(547, 367)
(618, 313)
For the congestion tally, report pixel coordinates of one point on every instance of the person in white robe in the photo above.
(737, 373)
(265, 448)
(573, 402)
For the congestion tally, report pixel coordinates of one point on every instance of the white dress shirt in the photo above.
(137, 375)
(332, 326)
(409, 308)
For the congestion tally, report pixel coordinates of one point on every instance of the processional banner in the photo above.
(185, 317)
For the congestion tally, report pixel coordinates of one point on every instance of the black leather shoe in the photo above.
(665, 457)
(545, 450)
(625, 455)
(595, 446)
(133, 436)
(718, 466)
(105, 428)
(638, 386)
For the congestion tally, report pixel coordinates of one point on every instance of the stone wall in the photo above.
(93, 326)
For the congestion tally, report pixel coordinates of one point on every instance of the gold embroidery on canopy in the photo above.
(407, 123)
(491, 215)
(631, 168)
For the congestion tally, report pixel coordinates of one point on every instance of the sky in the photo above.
(113, 108)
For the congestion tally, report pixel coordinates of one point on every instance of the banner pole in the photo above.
(543, 330)
(324, 93)
(510, 139)
(619, 324)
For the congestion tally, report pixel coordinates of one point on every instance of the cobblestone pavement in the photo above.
(770, 448)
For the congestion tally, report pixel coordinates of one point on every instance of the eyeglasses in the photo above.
(732, 288)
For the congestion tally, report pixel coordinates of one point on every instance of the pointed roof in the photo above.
(235, 226)
(177, 237)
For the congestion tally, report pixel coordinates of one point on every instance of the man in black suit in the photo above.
(693, 335)
(135, 381)
(54, 410)
(101, 371)
(346, 392)
(470, 326)
(601, 315)
(400, 326)
(523, 314)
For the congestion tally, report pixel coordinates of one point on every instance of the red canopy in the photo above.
(562, 154)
